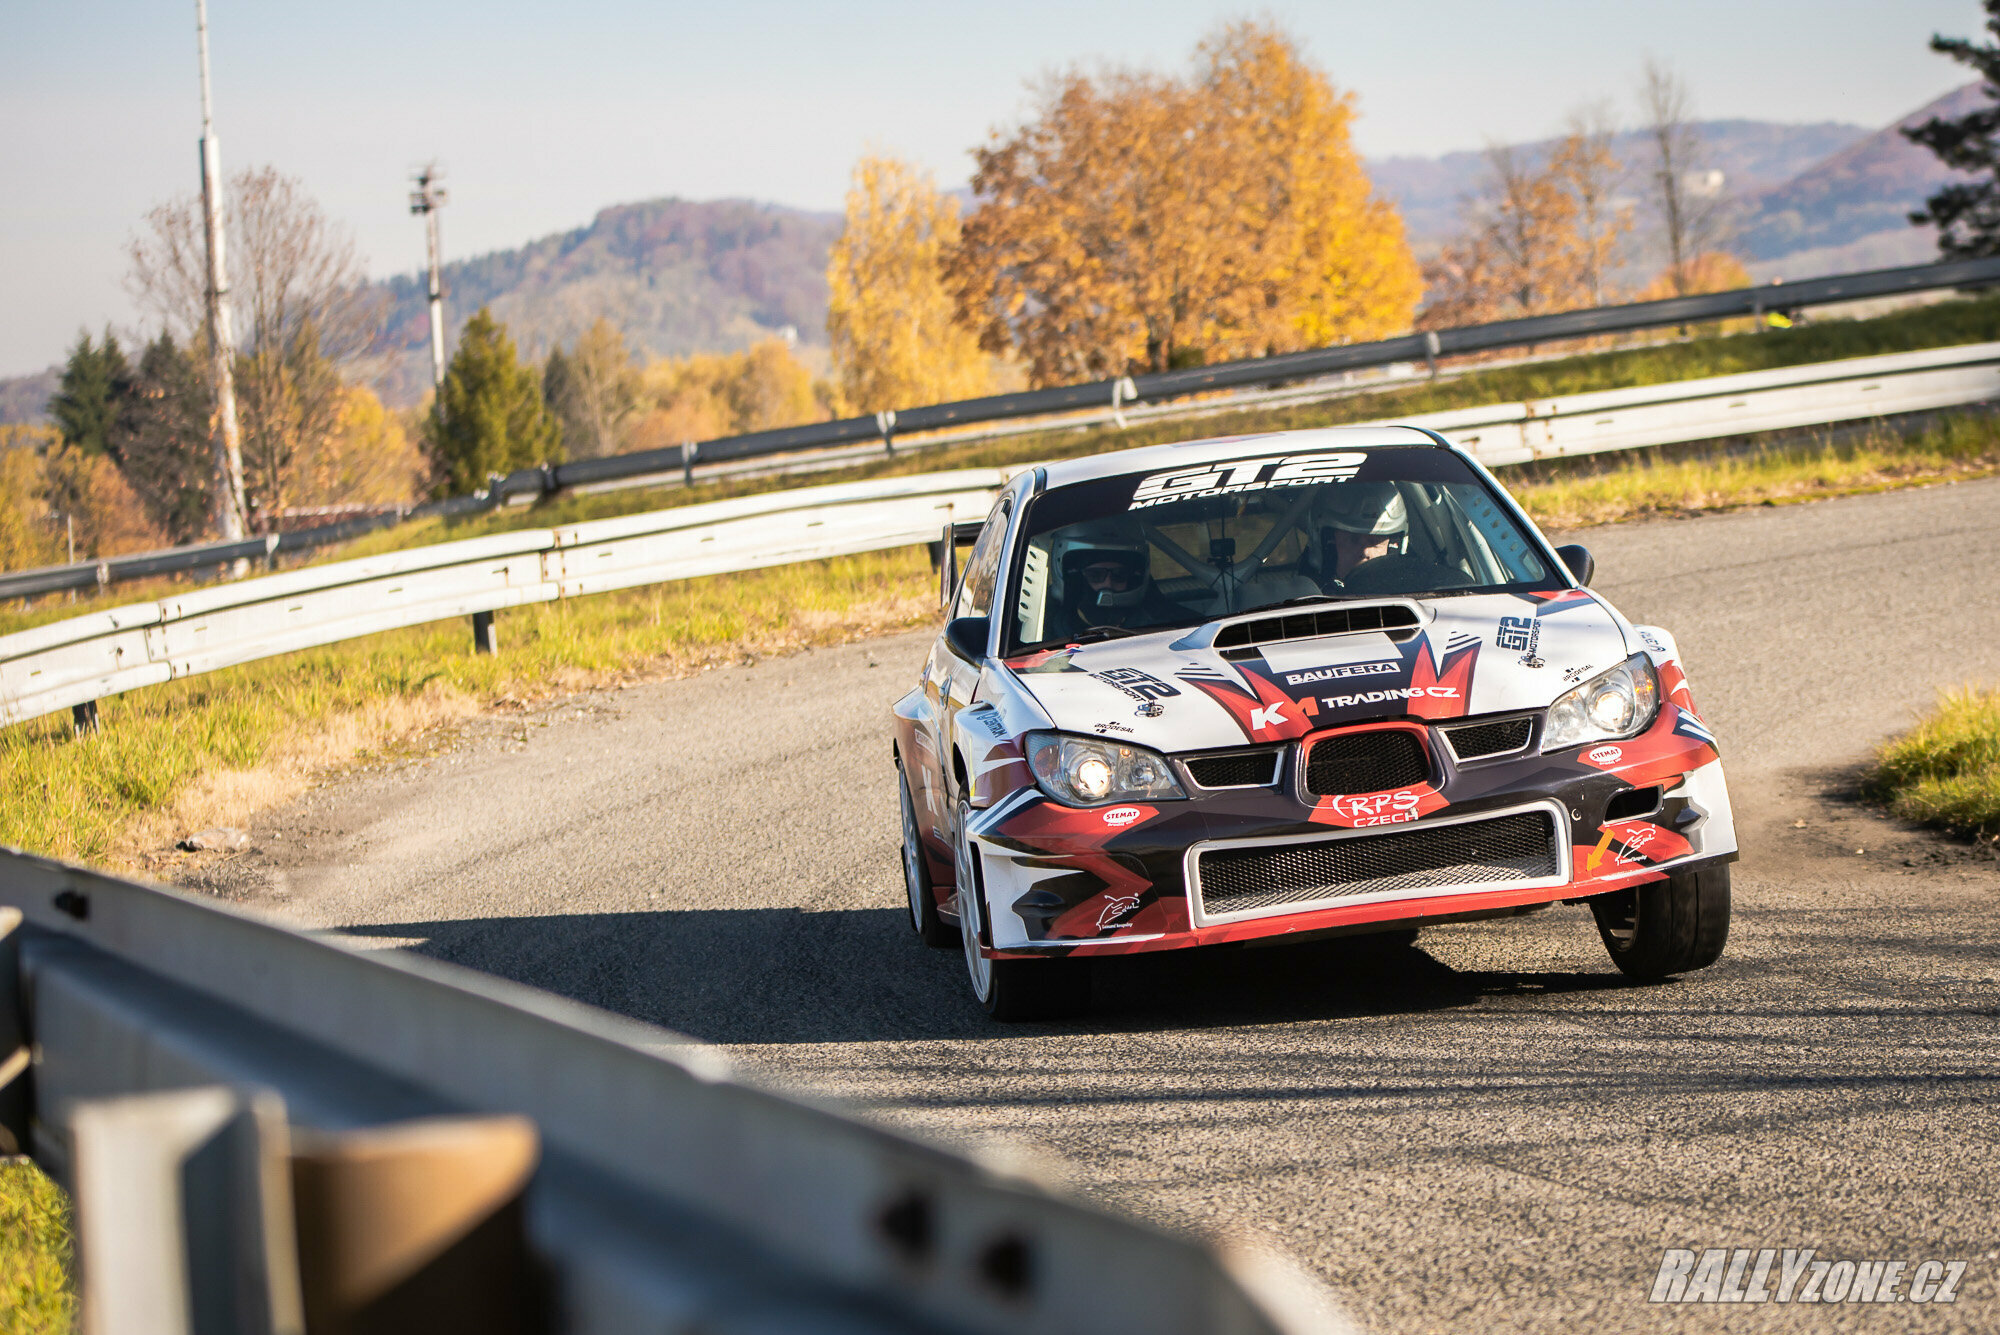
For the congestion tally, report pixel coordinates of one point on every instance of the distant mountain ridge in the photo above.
(1752, 155)
(1866, 189)
(677, 276)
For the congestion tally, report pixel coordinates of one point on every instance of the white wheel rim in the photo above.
(913, 879)
(978, 968)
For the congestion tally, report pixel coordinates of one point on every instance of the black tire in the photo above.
(917, 885)
(1666, 927)
(1012, 989)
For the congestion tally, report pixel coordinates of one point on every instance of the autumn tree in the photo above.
(95, 378)
(1541, 238)
(161, 441)
(593, 392)
(367, 459)
(724, 394)
(1966, 213)
(896, 337)
(1140, 222)
(490, 417)
(27, 538)
(304, 314)
(1686, 193)
(1710, 271)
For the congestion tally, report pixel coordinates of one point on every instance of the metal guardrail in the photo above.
(266, 1132)
(76, 662)
(1116, 394)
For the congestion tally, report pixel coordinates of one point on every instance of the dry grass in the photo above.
(35, 1293)
(1956, 449)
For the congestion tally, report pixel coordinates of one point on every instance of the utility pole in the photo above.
(426, 200)
(221, 344)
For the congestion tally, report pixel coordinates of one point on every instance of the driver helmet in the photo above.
(1096, 560)
(1373, 508)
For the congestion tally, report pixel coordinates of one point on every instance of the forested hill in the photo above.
(675, 275)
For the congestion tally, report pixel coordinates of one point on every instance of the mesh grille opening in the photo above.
(1311, 625)
(1365, 762)
(1242, 770)
(1490, 739)
(1519, 847)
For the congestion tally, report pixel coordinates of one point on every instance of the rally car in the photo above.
(1311, 683)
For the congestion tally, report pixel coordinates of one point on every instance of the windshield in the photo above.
(1142, 552)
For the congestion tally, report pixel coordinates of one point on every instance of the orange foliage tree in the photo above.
(1140, 222)
(1541, 240)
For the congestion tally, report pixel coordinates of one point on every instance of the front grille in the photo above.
(1245, 769)
(1391, 617)
(1489, 739)
(1520, 847)
(1365, 762)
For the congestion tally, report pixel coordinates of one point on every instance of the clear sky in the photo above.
(544, 113)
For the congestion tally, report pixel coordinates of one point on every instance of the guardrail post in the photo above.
(83, 717)
(1431, 351)
(1122, 391)
(885, 422)
(485, 639)
(687, 463)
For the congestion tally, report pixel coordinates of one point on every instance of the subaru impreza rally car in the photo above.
(1312, 683)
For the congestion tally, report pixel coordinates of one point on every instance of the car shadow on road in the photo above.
(782, 975)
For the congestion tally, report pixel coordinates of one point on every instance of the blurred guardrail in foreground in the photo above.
(77, 662)
(1105, 399)
(268, 1133)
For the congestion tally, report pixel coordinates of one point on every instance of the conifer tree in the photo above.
(94, 380)
(1967, 213)
(490, 417)
(160, 440)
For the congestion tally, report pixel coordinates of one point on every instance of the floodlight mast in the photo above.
(228, 438)
(426, 200)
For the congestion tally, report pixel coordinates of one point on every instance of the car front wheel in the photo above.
(1011, 989)
(1666, 927)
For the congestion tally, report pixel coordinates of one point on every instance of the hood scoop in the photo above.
(1240, 639)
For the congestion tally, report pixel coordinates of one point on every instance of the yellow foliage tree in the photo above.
(896, 336)
(368, 458)
(724, 394)
(27, 539)
(1139, 222)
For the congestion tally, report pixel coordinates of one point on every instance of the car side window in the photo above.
(982, 568)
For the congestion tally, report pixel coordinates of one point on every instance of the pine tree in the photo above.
(490, 417)
(160, 440)
(1967, 213)
(94, 380)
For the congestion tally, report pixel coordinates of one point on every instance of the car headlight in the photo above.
(1091, 771)
(1609, 707)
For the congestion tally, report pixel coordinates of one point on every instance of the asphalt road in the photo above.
(1490, 1131)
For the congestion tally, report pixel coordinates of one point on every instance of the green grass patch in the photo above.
(35, 1293)
(1946, 770)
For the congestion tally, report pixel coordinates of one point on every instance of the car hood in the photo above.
(1468, 655)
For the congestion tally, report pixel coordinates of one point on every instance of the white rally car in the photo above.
(1317, 682)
